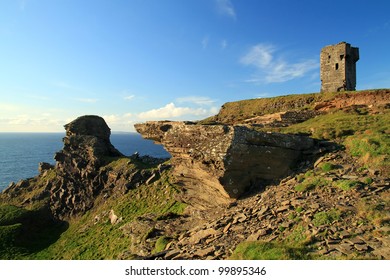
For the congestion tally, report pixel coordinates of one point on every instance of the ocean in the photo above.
(20, 153)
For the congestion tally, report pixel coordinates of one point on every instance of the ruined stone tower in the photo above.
(338, 67)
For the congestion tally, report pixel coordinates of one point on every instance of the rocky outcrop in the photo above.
(86, 147)
(227, 159)
(88, 166)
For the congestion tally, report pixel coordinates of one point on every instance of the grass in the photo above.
(10, 214)
(327, 166)
(326, 217)
(335, 125)
(346, 185)
(24, 232)
(375, 211)
(260, 250)
(161, 244)
(372, 150)
(309, 181)
(295, 245)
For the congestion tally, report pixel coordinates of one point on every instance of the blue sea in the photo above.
(20, 153)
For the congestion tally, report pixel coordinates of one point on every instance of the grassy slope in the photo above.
(244, 109)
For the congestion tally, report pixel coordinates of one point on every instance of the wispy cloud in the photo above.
(225, 7)
(129, 97)
(198, 100)
(171, 111)
(271, 69)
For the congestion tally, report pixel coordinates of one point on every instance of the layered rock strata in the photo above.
(87, 167)
(227, 159)
(86, 146)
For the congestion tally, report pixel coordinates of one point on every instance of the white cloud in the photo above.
(198, 100)
(119, 122)
(171, 111)
(275, 70)
(259, 56)
(263, 95)
(129, 97)
(225, 7)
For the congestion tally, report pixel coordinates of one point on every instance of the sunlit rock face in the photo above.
(230, 159)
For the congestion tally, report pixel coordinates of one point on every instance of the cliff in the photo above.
(291, 177)
(82, 172)
(228, 160)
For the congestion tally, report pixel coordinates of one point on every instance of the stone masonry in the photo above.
(338, 67)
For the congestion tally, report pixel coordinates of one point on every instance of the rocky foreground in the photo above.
(296, 177)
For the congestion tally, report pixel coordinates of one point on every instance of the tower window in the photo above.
(337, 66)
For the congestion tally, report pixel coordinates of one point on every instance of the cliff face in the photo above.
(86, 145)
(228, 159)
(82, 172)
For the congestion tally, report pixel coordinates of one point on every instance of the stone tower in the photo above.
(338, 67)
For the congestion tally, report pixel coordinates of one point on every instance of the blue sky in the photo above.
(136, 60)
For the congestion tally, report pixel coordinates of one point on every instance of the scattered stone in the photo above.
(239, 218)
(262, 211)
(350, 177)
(204, 252)
(171, 254)
(203, 234)
(361, 247)
(112, 217)
(344, 248)
(255, 236)
(227, 227)
(282, 208)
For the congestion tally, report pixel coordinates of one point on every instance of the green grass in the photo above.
(161, 243)
(327, 166)
(372, 150)
(10, 214)
(376, 211)
(346, 185)
(260, 250)
(326, 217)
(310, 181)
(24, 232)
